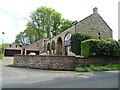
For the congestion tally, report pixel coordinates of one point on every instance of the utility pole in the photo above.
(2, 53)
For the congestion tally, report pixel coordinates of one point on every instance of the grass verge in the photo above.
(98, 68)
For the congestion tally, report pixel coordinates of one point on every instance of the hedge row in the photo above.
(95, 47)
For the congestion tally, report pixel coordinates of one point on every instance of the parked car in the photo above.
(32, 53)
(43, 53)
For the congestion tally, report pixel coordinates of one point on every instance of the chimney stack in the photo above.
(95, 10)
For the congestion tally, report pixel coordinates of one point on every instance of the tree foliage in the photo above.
(94, 47)
(119, 40)
(76, 40)
(3, 46)
(44, 22)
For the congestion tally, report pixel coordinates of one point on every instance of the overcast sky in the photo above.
(14, 13)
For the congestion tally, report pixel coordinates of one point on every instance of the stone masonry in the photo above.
(60, 62)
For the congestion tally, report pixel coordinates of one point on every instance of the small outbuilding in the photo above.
(13, 49)
(35, 48)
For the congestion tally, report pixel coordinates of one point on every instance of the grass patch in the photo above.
(98, 68)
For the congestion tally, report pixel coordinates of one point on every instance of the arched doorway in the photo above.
(67, 42)
(59, 46)
(53, 47)
(48, 48)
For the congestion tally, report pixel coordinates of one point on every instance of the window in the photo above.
(99, 36)
(67, 36)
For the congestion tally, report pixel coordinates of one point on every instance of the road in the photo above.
(13, 77)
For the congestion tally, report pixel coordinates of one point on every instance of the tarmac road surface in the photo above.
(13, 77)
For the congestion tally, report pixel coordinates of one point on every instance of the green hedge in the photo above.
(108, 47)
(76, 40)
(88, 47)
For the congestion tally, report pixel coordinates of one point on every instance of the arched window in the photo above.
(59, 46)
(53, 45)
(48, 47)
(67, 37)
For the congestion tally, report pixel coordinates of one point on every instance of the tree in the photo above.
(76, 40)
(2, 48)
(20, 39)
(44, 22)
(31, 33)
(41, 20)
(65, 24)
(56, 22)
(47, 21)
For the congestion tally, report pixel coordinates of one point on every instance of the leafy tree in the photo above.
(65, 24)
(44, 22)
(3, 46)
(47, 21)
(76, 40)
(56, 21)
(41, 20)
(20, 39)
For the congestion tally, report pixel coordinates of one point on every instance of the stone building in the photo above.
(93, 25)
(36, 47)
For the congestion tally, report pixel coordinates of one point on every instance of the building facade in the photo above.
(12, 50)
(94, 25)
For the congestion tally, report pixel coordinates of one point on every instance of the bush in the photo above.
(76, 40)
(108, 47)
(115, 47)
(88, 47)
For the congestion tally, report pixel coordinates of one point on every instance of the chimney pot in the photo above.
(95, 10)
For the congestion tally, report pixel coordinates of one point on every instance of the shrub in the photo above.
(119, 41)
(88, 47)
(115, 47)
(108, 47)
(76, 40)
(103, 48)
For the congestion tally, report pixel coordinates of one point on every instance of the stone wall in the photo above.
(96, 61)
(60, 62)
(45, 62)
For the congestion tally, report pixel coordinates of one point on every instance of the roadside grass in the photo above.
(98, 68)
(1, 56)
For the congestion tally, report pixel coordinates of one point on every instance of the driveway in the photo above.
(35, 78)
